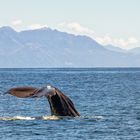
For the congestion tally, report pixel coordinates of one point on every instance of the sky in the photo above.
(115, 22)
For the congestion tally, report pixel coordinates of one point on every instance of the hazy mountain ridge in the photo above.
(115, 48)
(51, 48)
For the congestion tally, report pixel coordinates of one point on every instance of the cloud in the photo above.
(17, 22)
(77, 28)
(105, 40)
(37, 26)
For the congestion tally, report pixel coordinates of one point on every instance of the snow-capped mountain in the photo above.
(51, 48)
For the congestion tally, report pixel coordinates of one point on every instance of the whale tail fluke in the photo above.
(23, 92)
(67, 104)
(60, 104)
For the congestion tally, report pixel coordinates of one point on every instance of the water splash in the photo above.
(29, 118)
(51, 118)
(16, 118)
(48, 118)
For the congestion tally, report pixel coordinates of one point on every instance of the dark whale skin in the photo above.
(61, 105)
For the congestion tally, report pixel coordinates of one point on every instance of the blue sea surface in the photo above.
(108, 100)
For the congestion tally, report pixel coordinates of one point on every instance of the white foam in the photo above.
(24, 118)
(50, 118)
(16, 118)
(29, 118)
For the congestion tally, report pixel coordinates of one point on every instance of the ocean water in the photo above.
(107, 99)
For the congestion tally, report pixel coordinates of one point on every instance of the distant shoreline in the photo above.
(74, 68)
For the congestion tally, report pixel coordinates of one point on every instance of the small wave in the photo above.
(93, 117)
(98, 117)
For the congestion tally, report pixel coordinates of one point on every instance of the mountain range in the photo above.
(46, 47)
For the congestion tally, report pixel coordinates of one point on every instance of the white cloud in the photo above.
(17, 22)
(105, 40)
(76, 28)
(37, 26)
